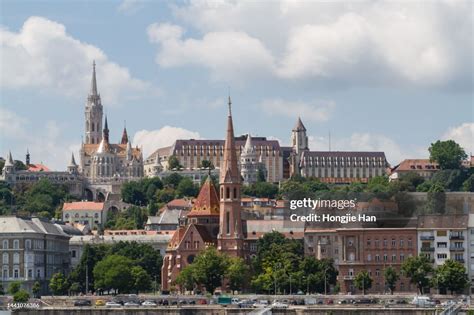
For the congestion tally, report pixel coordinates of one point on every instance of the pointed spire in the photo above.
(230, 107)
(27, 160)
(299, 125)
(207, 202)
(73, 160)
(93, 81)
(9, 161)
(248, 148)
(124, 136)
(106, 130)
(229, 170)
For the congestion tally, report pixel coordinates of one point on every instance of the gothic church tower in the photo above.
(93, 113)
(230, 238)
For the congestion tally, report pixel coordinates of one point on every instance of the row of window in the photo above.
(385, 257)
(16, 244)
(393, 242)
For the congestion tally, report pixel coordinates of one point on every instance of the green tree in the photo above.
(452, 276)
(186, 279)
(417, 269)
(91, 255)
(20, 166)
(186, 188)
(75, 288)
(237, 273)
(448, 154)
(436, 199)
(173, 180)
(114, 273)
(141, 279)
(165, 195)
(468, 184)
(36, 289)
(209, 269)
(207, 164)
(14, 287)
(391, 277)
(173, 163)
(363, 281)
(261, 175)
(58, 284)
(22, 296)
(2, 290)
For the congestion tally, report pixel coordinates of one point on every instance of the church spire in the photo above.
(9, 161)
(106, 130)
(93, 81)
(229, 170)
(124, 135)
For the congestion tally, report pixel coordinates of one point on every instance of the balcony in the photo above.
(456, 249)
(427, 249)
(427, 237)
(460, 260)
(456, 237)
(349, 277)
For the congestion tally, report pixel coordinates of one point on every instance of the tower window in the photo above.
(227, 222)
(227, 193)
(235, 193)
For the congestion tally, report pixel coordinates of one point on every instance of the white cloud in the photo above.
(229, 55)
(130, 6)
(151, 140)
(462, 134)
(354, 42)
(315, 111)
(43, 55)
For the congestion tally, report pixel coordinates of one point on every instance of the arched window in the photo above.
(235, 193)
(5, 258)
(227, 193)
(28, 244)
(5, 244)
(16, 244)
(16, 258)
(93, 127)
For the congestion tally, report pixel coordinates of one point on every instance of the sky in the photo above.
(374, 75)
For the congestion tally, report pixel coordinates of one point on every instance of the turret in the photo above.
(72, 168)
(9, 166)
(27, 158)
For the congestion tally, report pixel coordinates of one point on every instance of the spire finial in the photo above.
(230, 106)
(94, 80)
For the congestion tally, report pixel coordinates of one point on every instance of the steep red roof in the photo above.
(207, 202)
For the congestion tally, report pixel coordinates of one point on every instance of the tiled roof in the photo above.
(179, 203)
(38, 168)
(207, 202)
(119, 149)
(416, 165)
(83, 205)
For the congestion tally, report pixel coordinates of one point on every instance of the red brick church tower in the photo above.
(230, 239)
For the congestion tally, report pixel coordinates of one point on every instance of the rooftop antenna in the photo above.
(329, 140)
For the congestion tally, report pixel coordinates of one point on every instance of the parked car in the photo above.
(131, 304)
(260, 304)
(82, 303)
(202, 302)
(235, 301)
(277, 304)
(245, 304)
(148, 303)
(329, 302)
(113, 304)
(100, 303)
(166, 303)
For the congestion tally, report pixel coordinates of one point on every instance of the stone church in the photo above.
(104, 165)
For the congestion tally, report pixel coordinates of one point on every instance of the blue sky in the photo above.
(389, 76)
